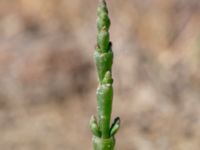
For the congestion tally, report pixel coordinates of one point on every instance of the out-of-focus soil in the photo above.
(48, 78)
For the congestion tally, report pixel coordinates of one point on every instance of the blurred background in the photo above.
(48, 78)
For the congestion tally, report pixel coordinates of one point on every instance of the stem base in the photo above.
(103, 144)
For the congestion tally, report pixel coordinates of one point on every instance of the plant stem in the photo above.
(103, 133)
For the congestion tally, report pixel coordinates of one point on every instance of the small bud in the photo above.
(115, 126)
(108, 78)
(94, 127)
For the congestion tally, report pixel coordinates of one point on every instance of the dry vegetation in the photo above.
(48, 78)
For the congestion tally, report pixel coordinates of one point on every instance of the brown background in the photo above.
(48, 78)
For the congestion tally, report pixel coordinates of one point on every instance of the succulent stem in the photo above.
(103, 133)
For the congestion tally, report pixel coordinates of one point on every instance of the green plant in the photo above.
(103, 133)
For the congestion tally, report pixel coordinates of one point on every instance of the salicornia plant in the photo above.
(103, 133)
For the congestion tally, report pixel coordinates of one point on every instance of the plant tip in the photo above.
(102, 2)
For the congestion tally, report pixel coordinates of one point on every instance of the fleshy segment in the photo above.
(103, 133)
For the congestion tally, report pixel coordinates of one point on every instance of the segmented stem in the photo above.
(104, 134)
